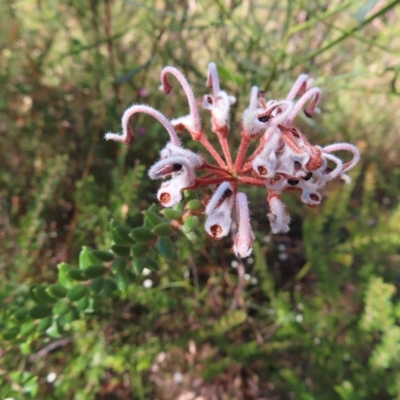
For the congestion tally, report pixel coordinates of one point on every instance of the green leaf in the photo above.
(86, 258)
(119, 265)
(97, 285)
(166, 248)
(40, 311)
(45, 324)
(191, 236)
(152, 219)
(70, 316)
(57, 291)
(121, 280)
(29, 326)
(139, 249)
(191, 222)
(53, 331)
(120, 235)
(109, 288)
(63, 274)
(151, 264)
(104, 256)
(61, 307)
(77, 275)
(194, 205)
(131, 275)
(114, 224)
(95, 271)
(142, 234)
(163, 229)
(83, 303)
(172, 214)
(21, 315)
(41, 296)
(12, 333)
(77, 292)
(120, 250)
(138, 265)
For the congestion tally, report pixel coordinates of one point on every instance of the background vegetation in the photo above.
(314, 314)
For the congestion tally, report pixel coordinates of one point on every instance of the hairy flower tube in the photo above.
(283, 159)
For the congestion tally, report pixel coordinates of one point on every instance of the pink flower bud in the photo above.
(192, 158)
(219, 106)
(218, 211)
(171, 166)
(243, 245)
(278, 217)
(170, 192)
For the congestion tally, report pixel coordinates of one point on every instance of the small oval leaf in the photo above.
(40, 311)
(151, 264)
(83, 303)
(61, 307)
(21, 315)
(172, 214)
(152, 218)
(104, 256)
(138, 265)
(142, 234)
(97, 285)
(77, 292)
(139, 249)
(166, 248)
(120, 235)
(119, 265)
(95, 271)
(77, 275)
(120, 250)
(44, 324)
(190, 223)
(86, 258)
(194, 205)
(12, 333)
(42, 297)
(63, 274)
(163, 229)
(122, 281)
(57, 291)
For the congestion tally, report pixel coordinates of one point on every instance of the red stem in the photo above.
(247, 170)
(247, 163)
(202, 182)
(209, 166)
(251, 181)
(244, 144)
(225, 148)
(217, 172)
(204, 141)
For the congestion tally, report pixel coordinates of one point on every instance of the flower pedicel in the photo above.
(283, 160)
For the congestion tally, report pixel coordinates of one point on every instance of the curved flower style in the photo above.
(283, 161)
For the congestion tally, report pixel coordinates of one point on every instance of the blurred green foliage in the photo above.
(90, 309)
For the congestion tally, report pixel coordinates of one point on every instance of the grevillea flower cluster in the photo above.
(283, 158)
